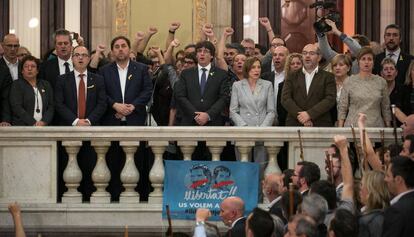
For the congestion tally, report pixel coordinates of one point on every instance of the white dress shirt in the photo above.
(62, 68)
(200, 72)
(13, 68)
(309, 77)
(399, 196)
(395, 55)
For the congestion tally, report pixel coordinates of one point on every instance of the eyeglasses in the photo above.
(12, 45)
(206, 51)
(83, 55)
(188, 62)
(311, 53)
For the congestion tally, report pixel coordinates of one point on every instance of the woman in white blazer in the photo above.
(253, 104)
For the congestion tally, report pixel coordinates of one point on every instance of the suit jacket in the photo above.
(67, 99)
(22, 102)
(49, 71)
(138, 89)
(398, 218)
(190, 100)
(404, 61)
(238, 230)
(252, 109)
(317, 103)
(5, 84)
(276, 209)
(281, 111)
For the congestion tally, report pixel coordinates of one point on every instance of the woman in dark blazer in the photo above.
(31, 99)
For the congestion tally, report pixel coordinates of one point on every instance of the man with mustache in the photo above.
(392, 41)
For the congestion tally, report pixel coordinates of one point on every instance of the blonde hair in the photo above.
(378, 194)
(408, 81)
(342, 58)
(289, 59)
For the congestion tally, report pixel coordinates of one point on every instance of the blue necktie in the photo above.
(203, 81)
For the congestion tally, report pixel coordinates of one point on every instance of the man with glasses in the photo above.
(9, 71)
(309, 94)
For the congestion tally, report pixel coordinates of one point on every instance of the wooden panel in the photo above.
(5, 18)
(402, 18)
(271, 10)
(86, 22)
(367, 19)
(237, 20)
(52, 17)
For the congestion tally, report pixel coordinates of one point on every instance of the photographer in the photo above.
(328, 53)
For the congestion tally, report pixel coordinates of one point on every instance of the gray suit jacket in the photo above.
(252, 109)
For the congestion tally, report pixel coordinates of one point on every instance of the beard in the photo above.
(391, 46)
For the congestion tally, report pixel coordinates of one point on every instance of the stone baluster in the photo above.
(273, 149)
(101, 174)
(216, 147)
(187, 148)
(72, 175)
(244, 149)
(129, 174)
(156, 174)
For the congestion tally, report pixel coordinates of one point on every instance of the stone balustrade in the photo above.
(28, 167)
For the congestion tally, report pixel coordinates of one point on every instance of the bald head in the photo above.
(273, 186)
(231, 209)
(10, 46)
(279, 57)
(408, 126)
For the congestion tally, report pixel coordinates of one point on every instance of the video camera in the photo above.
(320, 25)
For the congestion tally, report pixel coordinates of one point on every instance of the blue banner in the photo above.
(189, 185)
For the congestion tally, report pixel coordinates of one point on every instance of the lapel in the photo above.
(116, 80)
(130, 76)
(72, 86)
(249, 94)
(302, 84)
(90, 89)
(314, 84)
(196, 82)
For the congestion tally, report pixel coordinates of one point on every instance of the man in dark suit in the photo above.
(62, 63)
(310, 93)
(201, 92)
(232, 215)
(400, 181)
(9, 71)
(273, 189)
(80, 95)
(392, 41)
(128, 87)
(305, 174)
(80, 100)
(128, 90)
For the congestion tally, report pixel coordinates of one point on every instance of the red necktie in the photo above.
(81, 98)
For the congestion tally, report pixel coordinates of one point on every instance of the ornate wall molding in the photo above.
(122, 15)
(200, 18)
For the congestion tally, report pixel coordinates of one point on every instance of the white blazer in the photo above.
(249, 108)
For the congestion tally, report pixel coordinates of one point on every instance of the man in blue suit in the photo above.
(128, 87)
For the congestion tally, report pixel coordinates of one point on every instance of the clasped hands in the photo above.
(123, 110)
(304, 118)
(201, 118)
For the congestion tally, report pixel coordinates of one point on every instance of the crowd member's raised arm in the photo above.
(168, 55)
(139, 37)
(370, 154)
(264, 21)
(157, 51)
(346, 168)
(220, 62)
(14, 210)
(147, 36)
(171, 33)
(208, 31)
(98, 56)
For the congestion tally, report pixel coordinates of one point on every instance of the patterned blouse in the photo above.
(368, 96)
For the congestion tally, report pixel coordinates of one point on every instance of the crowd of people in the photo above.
(214, 83)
